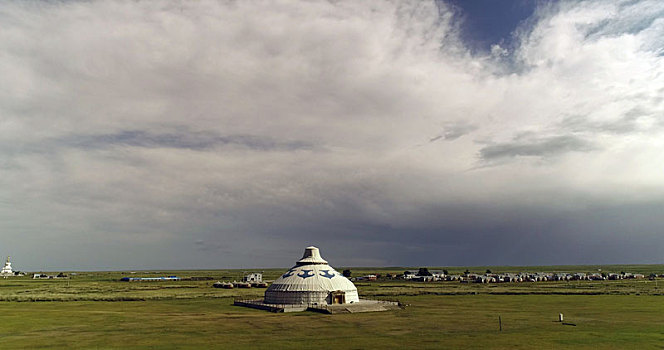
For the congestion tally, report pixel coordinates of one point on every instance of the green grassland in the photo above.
(95, 310)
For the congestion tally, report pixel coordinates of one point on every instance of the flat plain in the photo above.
(95, 310)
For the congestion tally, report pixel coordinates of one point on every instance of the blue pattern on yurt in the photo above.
(305, 274)
(326, 273)
(290, 272)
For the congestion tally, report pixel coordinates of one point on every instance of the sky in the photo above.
(233, 134)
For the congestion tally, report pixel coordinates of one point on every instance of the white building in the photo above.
(7, 269)
(311, 281)
(253, 277)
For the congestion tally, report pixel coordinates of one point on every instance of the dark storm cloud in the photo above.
(216, 247)
(498, 234)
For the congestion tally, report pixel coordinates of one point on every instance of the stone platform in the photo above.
(364, 305)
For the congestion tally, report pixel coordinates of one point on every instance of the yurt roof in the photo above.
(311, 256)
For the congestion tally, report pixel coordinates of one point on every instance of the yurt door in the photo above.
(338, 297)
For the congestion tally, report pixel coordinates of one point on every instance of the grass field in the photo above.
(95, 310)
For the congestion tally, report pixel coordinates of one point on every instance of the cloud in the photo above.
(546, 147)
(181, 140)
(131, 129)
(455, 130)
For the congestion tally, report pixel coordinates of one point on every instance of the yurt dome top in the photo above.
(311, 257)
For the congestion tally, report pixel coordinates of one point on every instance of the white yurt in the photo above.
(311, 281)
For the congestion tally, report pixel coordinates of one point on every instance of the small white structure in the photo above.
(7, 269)
(311, 281)
(253, 277)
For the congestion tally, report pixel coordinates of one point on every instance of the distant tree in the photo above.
(346, 273)
(446, 272)
(488, 271)
(423, 271)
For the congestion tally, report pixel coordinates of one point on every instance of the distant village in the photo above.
(424, 275)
